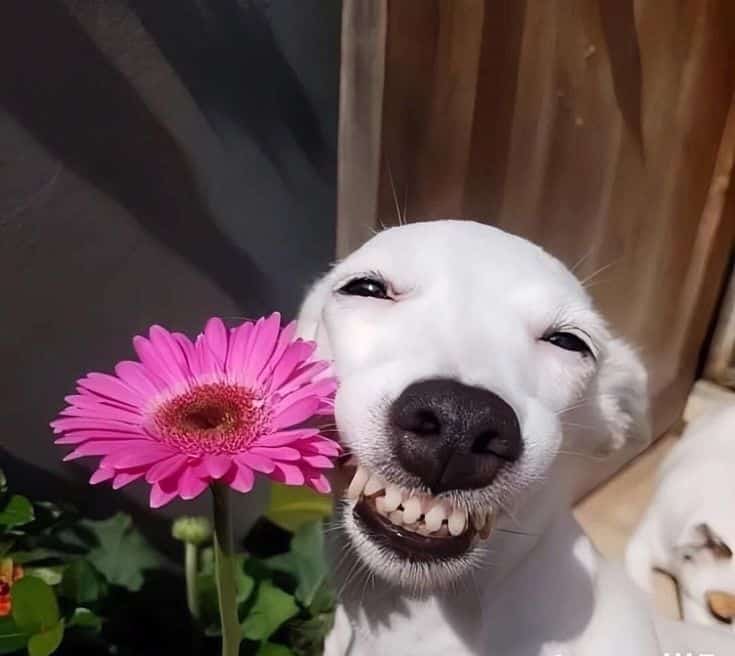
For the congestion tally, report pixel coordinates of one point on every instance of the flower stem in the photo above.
(225, 570)
(191, 568)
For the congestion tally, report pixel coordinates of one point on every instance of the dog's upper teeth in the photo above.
(411, 510)
(422, 514)
(358, 483)
(373, 485)
(435, 516)
(393, 497)
(457, 521)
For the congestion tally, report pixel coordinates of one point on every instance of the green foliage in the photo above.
(77, 571)
(70, 568)
(290, 506)
(272, 607)
(35, 622)
(121, 554)
(16, 511)
(305, 561)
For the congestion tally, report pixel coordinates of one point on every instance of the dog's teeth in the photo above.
(488, 525)
(411, 510)
(373, 485)
(393, 497)
(435, 516)
(421, 528)
(396, 517)
(358, 483)
(457, 521)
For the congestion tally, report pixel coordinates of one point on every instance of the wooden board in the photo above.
(594, 128)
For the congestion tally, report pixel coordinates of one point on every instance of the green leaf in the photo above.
(11, 637)
(82, 583)
(26, 557)
(6, 546)
(273, 649)
(305, 561)
(35, 609)
(50, 575)
(16, 512)
(271, 609)
(123, 553)
(46, 642)
(83, 618)
(244, 584)
(290, 506)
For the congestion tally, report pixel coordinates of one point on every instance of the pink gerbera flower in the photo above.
(217, 409)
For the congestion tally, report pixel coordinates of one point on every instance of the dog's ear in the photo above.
(622, 394)
(310, 322)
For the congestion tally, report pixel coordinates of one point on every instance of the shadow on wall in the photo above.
(197, 146)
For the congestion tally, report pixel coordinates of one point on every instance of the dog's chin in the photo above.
(429, 552)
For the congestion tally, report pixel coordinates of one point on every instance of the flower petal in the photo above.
(214, 466)
(319, 462)
(285, 338)
(123, 478)
(321, 389)
(304, 374)
(78, 436)
(295, 413)
(165, 468)
(101, 475)
(101, 448)
(277, 453)
(102, 411)
(136, 376)
(288, 474)
(256, 462)
(239, 339)
(137, 455)
(64, 424)
(261, 347)
(217, 339)
(319, 482)
(112, 387)
(295, 354)
(160, 496)
(286, 437)
(155, 362)
(190, 485)
(241, 478)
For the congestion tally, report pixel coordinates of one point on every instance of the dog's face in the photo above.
(465, 357)
(705, 570)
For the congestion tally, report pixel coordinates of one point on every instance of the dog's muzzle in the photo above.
(453, 436)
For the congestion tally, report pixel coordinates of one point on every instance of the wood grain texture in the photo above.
(592, 127)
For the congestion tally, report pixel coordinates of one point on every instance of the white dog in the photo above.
(689, 528)
(469, 362)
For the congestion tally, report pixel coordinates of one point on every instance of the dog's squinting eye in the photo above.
(569, 342)
(370, 287)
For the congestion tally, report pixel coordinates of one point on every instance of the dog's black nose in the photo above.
(453, 436)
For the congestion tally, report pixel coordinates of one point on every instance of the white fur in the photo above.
(696, 487)
(473, 303)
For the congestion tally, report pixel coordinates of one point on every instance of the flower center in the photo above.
(214, 418)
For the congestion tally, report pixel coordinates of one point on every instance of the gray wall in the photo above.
(159, 162)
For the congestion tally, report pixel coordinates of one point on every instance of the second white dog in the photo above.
(689, 528)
